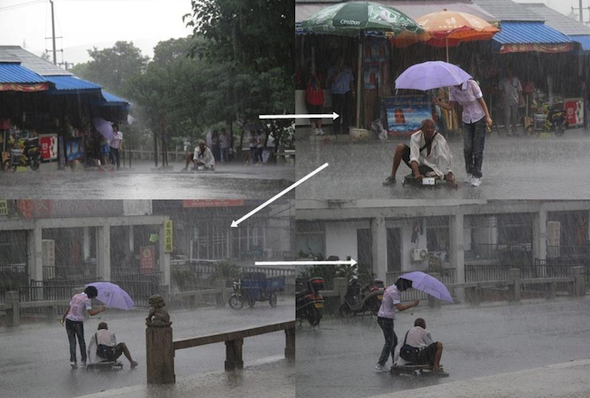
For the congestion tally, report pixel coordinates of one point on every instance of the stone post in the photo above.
(434, 302)
(514, 275)
(579, 274)
(233, 354)
(341, 286)
(12, 308)
(290, 343)
(457, 251)
(159, 344)
(222, 297)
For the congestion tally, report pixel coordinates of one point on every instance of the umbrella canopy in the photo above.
(354, 18)
(351, 18)
(112, 295)
(449, 28)
(103, 127)
(431, 74)
(428, 284)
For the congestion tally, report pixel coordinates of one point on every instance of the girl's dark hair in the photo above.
(403, 284)
(91, 292)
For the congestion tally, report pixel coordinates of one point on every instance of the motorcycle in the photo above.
(27, 153)
(554, 122)
(309, 302)
(367, 300)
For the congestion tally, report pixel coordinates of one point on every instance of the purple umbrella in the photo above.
(103, 127)
(432, 74)
(427, 284)
(112, 295)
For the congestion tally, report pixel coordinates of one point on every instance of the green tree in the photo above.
(253, 42)
(113, 67)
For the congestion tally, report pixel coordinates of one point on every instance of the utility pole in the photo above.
(53, 32)
(581, 12)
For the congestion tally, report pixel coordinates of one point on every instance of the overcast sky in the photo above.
(83, 23)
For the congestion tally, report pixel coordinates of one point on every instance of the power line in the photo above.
(11, 7)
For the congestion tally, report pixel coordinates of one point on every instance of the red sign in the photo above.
(540, 48)
(574, 112)
(147, 258)
(48, 144)
(23, 87)
(32, 208)
(212, 203)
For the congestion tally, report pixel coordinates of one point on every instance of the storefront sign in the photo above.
(212, 203)
(147, 258)
(48, 144)
(3, 207)
(32, 208)
(23, 87)
(539, 48)
(168, 237)
(75, 149)
(405, 113)
(574, 111)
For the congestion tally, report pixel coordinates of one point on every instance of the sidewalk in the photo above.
(565, 380)
(273, 378)
(234, 170)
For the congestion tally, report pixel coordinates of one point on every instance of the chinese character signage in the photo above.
(147, 258)
(212, 203)
(168, 237)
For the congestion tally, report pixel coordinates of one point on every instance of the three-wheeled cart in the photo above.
(255, 286)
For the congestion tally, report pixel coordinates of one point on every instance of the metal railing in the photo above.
(161, 348)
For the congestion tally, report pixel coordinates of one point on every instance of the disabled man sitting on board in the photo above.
(428, 155)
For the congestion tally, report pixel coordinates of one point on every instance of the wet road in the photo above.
(35, 358)
(513, 168)
(338, 359)
(227, 182)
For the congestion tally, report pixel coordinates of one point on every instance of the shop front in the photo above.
(53, 123)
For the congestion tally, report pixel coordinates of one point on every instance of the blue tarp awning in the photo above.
(15, 73)
(531, 37)
(584, 40)
(67, 84)
(113, 100)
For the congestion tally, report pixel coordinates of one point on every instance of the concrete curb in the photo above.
(568, 379)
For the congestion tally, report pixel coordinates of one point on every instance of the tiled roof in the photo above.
(31, 61)
(507, 10)
(558, 21)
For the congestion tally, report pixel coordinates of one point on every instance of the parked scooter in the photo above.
(309, 302)
(367, 300)
(27, 153)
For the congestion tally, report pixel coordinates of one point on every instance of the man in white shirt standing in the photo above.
(386, 316)
(74, 321)
(511, 96)
(427, 155)
(115, 144)
(107, 347)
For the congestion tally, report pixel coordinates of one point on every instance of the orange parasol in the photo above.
(449, 28)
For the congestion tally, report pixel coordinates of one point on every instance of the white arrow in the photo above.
(332, 116)
(347, 262)
(301, 181)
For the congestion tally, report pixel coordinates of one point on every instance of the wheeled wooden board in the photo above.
(105, 365)
(426, 181)
(417, 370)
